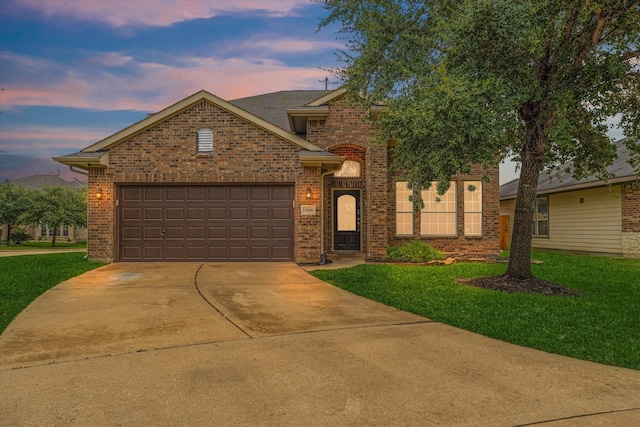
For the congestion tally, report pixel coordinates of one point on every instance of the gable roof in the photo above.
(98, 153)
(39, 182)
(272, 107)
(552, 183)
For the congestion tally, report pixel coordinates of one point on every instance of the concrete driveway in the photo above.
(268, 344)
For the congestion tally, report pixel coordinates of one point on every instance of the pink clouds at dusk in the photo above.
(157, 13)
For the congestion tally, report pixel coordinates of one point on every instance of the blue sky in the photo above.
(76, 71)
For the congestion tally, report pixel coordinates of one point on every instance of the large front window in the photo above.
(438, 216)
(541, 217)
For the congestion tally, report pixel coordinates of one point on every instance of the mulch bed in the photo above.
(509, 284)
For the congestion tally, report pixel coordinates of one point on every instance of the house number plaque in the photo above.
(308, 210)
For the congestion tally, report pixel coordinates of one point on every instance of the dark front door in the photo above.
(346, 220)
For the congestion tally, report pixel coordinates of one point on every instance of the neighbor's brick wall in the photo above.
(166, 153)
(487, 244)
(630, 201)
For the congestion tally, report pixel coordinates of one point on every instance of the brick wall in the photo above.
(166, 153)
(630, 201)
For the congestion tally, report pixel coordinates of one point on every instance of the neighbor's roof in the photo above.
(42, 181)
(552, 183)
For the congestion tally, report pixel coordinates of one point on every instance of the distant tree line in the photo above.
(52, 207)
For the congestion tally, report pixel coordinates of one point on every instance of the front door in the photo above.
(346, 220)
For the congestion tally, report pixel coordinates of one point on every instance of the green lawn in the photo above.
(41, 245)
(24, 278)
(601, 325)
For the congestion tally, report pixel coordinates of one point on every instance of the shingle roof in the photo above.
(41, 181)
(552, 183)
(272, 106)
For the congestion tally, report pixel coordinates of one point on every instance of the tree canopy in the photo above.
(56, 207)
(473, 81)
(13, 205)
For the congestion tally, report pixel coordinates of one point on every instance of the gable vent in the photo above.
(205, 140)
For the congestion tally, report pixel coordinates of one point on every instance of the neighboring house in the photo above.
(286, 176)
(589, 215)
(42, 232)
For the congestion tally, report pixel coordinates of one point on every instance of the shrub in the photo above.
(19, 236)
(414, 251)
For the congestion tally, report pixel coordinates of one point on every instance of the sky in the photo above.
(73, 72)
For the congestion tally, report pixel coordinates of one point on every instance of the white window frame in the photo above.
(539, 217)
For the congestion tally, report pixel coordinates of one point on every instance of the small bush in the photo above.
(19, 236)
(414, 251)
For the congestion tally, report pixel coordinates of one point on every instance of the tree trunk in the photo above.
(8, 234)
(532, 155)
(55, 233)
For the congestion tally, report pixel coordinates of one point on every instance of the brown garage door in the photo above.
(205, 223)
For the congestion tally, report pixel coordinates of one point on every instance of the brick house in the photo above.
(286, 176)
(589, 215)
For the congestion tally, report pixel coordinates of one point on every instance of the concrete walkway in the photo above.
(268, 344)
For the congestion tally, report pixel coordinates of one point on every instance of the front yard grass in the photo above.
(41, 245)
(600, 325)
(24, 278)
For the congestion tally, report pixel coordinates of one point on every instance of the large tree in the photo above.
(14, 202)
(56, 207)
(474, 81)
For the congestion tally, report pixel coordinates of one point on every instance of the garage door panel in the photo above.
(174, 233)
(238, 193)
(174, 194)
(198, 233)
(196, 193)
(238, 213)
(260, 193)
(153, 194)
(132, 213)
(281, 233)
(281, 253)
(152, 213)
(218, 213)
(281, 213)
(153, 252)
(282, 193)
(132, 233)
(205, 223)
(238, 232)
(238, 253)
(261, 212)
(174, 253)
(259, 233)
(174, 213)
(195, 213)
(217, 233)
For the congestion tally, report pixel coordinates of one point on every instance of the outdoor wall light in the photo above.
(308, 192)
(99, 193)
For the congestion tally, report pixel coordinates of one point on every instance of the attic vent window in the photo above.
(205, 141)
